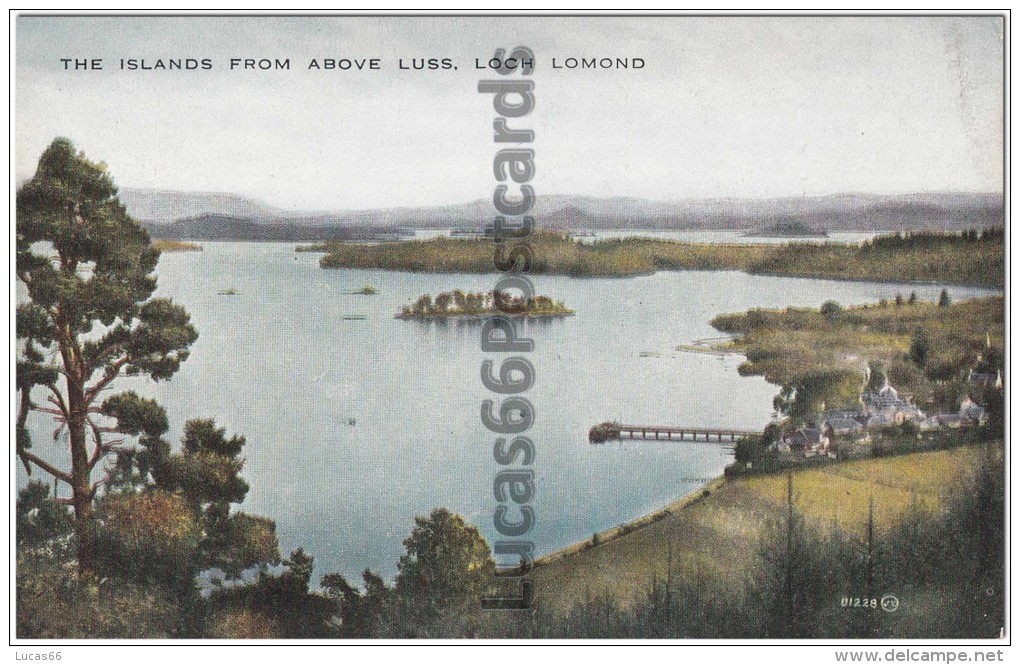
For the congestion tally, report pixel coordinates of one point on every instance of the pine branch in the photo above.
(112, 373)
(98, 357)
(99, 483)
(44, 409)
(98, 453)
(103, 449)
(57, 398)
(27, 457)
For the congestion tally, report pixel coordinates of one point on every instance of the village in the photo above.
(841, 432)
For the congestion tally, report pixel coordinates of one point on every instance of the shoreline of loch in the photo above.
(626, 528)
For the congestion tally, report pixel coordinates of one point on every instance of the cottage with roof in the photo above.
(888, 403)
(806, 441)
(848, 427)
(943, 421)
(972, 412)
(880, 420)
(985, 378)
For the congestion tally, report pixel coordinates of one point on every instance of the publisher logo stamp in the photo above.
(890, 603)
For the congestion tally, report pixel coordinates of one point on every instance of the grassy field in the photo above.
(714, 538)
(950, 259)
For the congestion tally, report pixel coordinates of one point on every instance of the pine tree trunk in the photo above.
(85, 528)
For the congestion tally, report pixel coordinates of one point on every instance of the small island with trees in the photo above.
(176, 246)
(367, 290)
(795, 229)
(461, 305)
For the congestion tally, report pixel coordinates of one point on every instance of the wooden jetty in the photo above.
(616, 431)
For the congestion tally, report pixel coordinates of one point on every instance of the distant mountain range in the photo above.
(162, 205)
(231, 227)
(214, 216)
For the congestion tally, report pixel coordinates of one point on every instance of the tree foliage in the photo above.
(946, 566)
(280, 605)
(204, 480)
(809, 394)
(87, 269)
(444, 572)
(39, 517)
(950, 258)
(922, 347)
(830, 309)
(877, 375)
(90, 318)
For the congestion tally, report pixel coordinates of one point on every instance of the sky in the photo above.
(723, 107)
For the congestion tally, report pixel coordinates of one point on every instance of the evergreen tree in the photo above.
(87, 269)
(831, 309)
(443, 575)
(877, 375)
(207, 474)
(920, 348)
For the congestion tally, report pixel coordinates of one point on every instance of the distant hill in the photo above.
(171, 214)
(569, 217)
(163, 205)
(227, 227)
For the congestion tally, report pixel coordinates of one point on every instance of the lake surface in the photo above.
(280, 364)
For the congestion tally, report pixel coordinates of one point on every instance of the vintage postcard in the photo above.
(490, 327)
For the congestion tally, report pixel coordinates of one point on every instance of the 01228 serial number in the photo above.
(855, 602)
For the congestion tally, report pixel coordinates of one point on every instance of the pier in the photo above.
(616, 431)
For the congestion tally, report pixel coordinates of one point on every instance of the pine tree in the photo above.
(89, 319)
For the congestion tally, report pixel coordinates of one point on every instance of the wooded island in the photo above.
(459, 304)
